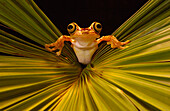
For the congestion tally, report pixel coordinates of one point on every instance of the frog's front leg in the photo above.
(59, 44)
(113, 41)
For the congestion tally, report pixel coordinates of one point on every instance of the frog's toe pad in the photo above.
(58, 53)
(108, 43)
(124, 47)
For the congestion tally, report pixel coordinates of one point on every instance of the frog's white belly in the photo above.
(84, 52)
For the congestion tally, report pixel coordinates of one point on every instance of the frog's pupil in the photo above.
(70, 27)
(99, 26)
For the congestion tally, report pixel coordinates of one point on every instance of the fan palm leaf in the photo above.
(135, 78)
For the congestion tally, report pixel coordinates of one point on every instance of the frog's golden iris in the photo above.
(71, 28)
(97, 27)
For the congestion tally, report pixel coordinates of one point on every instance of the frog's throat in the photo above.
(85, 47)
(84, 55)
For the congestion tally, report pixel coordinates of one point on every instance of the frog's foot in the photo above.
(55, 46)
(111, 40)
(58, 45)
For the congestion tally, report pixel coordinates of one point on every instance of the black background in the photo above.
(110, 13)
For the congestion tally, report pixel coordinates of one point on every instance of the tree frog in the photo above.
(84, 41)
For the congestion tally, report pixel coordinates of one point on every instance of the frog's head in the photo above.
(94, 29)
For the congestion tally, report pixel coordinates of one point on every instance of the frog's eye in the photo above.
(97, 27)
(71, 28)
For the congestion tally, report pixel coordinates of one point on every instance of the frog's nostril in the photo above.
(85, 29)
(85, 32)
